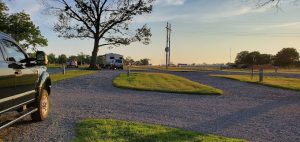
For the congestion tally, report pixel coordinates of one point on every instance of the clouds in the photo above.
(230, 13)
(170, 2)
(32, 7)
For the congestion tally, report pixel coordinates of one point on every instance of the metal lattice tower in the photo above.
(168, 45)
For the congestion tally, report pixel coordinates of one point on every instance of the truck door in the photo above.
(25, 77)
(7, 83)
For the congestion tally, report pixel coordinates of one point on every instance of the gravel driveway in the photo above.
(248, 111)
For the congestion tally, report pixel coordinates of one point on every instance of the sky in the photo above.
(203, 31)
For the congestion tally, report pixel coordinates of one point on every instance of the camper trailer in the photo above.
(112, 61)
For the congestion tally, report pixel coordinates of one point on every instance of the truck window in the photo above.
(14, 53)
(112, 58)
(1, 55)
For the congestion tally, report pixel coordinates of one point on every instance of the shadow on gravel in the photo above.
(243, 115)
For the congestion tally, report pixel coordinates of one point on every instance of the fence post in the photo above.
(64, 69)
(128, 71)
(261, 75)
(252, 72)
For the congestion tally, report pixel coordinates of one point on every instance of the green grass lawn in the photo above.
(106, 130)
(54, 66)
(287, 71)
(278, 82)
(163, 83)
(69, 74)
(185, 69)
(137, 68)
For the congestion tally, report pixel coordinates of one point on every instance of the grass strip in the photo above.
(277, 82)
(107, 130)
(162, 82)
(69, 74)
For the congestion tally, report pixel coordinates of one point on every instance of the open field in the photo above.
(113, 130)
(286, 71)
(137, 68)
(207, 68)
(69, 74)
(163, 83)
(186, 69)
(278, 82)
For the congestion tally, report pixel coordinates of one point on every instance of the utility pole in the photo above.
(168, 45)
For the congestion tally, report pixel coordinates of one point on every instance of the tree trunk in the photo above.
(93, 64)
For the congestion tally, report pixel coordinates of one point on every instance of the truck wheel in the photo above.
(43, 107)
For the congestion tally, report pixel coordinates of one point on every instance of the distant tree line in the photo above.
(287, 57)
(61, 59)
(141, 62)
(86, 59)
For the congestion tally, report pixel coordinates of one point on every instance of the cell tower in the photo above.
(168, 46)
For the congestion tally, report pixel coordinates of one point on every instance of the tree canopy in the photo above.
(107, 22)
(286, 57)
(21, 28)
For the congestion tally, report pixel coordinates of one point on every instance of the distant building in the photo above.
(182, 65)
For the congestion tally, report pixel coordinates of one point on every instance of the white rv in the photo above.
(112, 61)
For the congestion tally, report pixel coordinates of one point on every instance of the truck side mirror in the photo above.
(41, 58)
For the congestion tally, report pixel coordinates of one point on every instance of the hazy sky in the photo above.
(203, 30)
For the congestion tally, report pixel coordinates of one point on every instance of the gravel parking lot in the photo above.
(247, 111)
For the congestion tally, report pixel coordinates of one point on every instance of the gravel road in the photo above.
(248, 111)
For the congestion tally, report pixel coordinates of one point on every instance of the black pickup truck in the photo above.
(24, 82)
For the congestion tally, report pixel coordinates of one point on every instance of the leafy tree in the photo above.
(144, 62)
(32, 55)
(62, 59)
(128, 61)
(72, 58)
(241, 57)
(83, 59)
(286, 57)
(3, 15)
(21, 28)
(252, 58)
(137, 63)
(264, 59)
(106, 22)
(100, 60)
(51, 58)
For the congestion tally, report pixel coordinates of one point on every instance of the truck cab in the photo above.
(24, 82)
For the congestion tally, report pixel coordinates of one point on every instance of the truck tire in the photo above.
(43, 107)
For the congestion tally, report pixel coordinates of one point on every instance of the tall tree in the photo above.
(241, 57)
(21, 28)
(144, 61)
(62, 59)
(51, 58)
(264, 59)
(107, 22)
(286, 57)
(128, 61)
